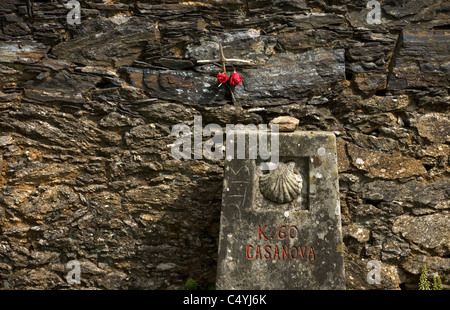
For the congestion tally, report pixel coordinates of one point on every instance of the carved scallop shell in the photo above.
(281, 185)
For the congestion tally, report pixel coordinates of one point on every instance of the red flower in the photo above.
(222, 77)
(235, 79)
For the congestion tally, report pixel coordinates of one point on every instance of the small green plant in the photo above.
(190, 284)
(437, 283)
(425, 285)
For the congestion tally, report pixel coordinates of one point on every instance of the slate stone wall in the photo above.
(86, 112)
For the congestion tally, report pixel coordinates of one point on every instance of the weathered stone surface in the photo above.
(344, 163)
(409, 194)
(24, 52)
(360, 234)
(8, 75)
(268, 243)
(391, 275)
(285, 123)
(307, 73)
(187, 87)
(370, 59)
(106, 44)
(382, 165)
(86, 113)
(435, 127)
(428, 231)
(62, 88)
(436, 150)
(439, 265)
(422, 62)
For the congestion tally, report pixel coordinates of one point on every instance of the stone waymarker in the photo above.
(281, 229)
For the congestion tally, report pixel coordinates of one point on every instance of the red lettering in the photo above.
(279, 233)
(295, 230)
(247, 252)
(261, 232)
(302, 252)
(285, 252)
(258, 252)
(311, 252)
(266, 249)
(296, 253)
(276, 253)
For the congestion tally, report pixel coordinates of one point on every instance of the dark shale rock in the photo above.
(304, 74)
(422, 62)
(104, 43)
(22, 52)
(86, 113)
(62, 88)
